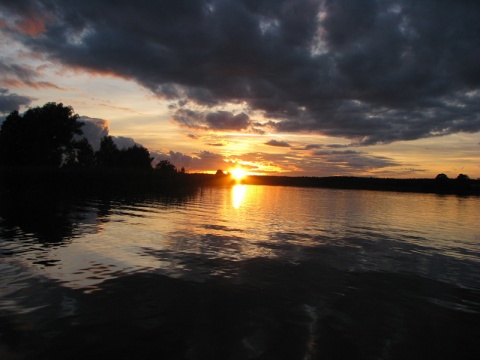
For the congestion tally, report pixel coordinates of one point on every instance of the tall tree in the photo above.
(108, 155)
(43, 136)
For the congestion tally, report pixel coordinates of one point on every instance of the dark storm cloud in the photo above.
(25, 16)
(337, 146)
(278, 143)
(356, 160)
(308, 147)
(10, 102)
(216, 121)
(366, 70)
(190, 119)
(224, 120)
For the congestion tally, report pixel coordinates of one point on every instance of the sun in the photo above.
(238, 173)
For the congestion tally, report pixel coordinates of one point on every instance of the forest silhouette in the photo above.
(44, 149)
(51, 136)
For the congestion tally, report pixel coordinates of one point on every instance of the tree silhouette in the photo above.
(463, 183)
(43, 136)
(83, 154)
(442, 184)
(463, 177)
(165, 167)
(108, 155)
(136, 157)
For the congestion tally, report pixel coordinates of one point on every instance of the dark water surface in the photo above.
(244, 272)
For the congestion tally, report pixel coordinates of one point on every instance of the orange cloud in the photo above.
(31, 25)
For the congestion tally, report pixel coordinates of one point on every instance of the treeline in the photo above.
(44, 149)
(461, 185)
(51, 137)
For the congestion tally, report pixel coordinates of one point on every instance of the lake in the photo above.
(241, 272)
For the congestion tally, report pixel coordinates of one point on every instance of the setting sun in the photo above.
(238, 173)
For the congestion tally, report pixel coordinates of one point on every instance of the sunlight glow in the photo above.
(238, 194)
(238, 173)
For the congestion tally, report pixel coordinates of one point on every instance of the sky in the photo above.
(385, 88)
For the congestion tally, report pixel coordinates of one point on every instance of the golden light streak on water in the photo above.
(238, 195)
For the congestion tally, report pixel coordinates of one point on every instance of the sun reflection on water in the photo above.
(238, 195)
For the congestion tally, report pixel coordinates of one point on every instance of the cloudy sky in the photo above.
(387, 88)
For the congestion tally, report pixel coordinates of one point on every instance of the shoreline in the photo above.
(99, 181)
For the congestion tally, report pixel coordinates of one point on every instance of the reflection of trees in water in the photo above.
(48, 221)
(55, 221)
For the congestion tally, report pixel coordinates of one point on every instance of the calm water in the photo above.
(244, 272)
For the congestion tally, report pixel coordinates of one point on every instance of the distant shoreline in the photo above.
(447, 186)
(97, 181)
